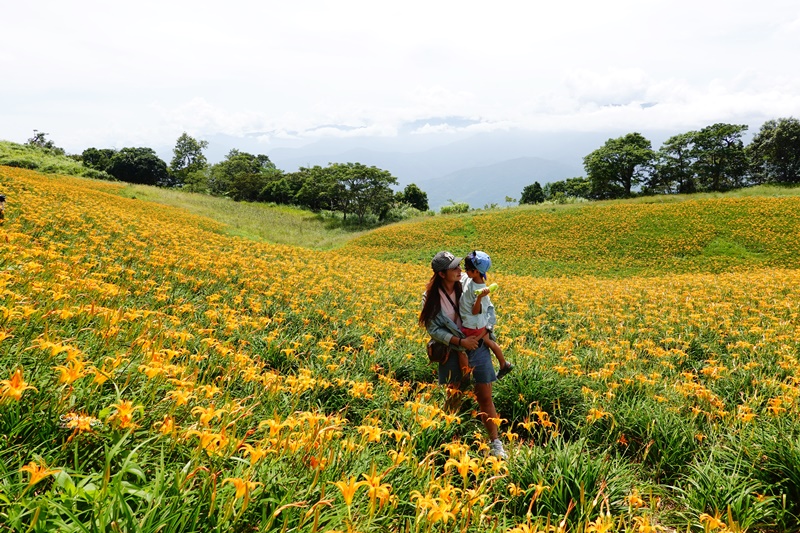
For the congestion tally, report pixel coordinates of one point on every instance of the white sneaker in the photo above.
(496, 449)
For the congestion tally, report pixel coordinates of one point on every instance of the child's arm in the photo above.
(476, 307)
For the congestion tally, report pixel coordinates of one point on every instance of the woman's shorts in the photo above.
(480, 360)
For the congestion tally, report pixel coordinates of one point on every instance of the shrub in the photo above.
(454, 208)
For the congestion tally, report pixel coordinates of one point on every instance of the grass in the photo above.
(254, 221)
(746, 229)
(34, 158)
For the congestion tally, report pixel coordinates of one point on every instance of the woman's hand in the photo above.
(470, 343)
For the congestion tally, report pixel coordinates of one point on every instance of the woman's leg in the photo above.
(488, 414)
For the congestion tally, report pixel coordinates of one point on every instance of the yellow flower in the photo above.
(349, 488)
(514, 490)
(167, 426)
(376, 489)
(596, 414)
(441, 511)
(463, 465)
(634, 500)
(14, 387)
(539, 488)
(207, 414)
(79, 422)
(123, 416)
(712, 522)
(603, 524)
(181, 397)
(256, 453)
(643, 525)
(371, 433)
(37, 471)
(243, 486)
(398, 457)
(71, 372)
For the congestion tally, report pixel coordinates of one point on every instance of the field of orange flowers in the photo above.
(158, 375)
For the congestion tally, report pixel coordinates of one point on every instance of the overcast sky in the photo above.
(114, 74)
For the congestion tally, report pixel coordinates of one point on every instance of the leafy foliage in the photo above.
(674, 172)
(188, 159)
(138, 165)
(40, 140)
(98, 159)
(454, 208)
(241, 176)
(774, 153)
(414, 196)
(720, 161)
(532, 194)
(619, 165)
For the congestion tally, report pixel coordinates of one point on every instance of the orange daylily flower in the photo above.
(14, 387)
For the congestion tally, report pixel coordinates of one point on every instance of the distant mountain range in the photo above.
(477, 168)
(491, 184)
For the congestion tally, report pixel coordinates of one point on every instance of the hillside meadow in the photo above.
(159, 374)
(650, 236)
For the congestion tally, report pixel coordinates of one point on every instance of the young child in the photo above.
(475, 308)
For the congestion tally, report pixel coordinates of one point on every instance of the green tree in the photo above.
(98, 158)
(579, 187)
(319, 188)
(774, 154)
(138, 165)
(364, 189)
(350, 188)
(720, 162)
(554, 188)
(188, 159)
(40, 140)
(415, 197)
(674, 167)
(282, 188)
(532, 194)
(619, 165)
(241, 176)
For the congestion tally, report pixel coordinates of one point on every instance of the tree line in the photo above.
(711, 159)
(352, 189)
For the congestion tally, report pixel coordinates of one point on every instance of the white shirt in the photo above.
(468, 298)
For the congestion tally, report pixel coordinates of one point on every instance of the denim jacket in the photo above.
(442, 329)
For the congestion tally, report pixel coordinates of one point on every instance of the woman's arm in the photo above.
(440, 332)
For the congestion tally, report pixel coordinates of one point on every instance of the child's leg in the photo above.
(463, 363)
(496, 350)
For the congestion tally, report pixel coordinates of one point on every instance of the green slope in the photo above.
(702, 233)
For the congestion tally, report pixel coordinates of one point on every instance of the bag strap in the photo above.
(455, 305)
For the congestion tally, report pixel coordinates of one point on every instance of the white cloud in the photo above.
(111, 74)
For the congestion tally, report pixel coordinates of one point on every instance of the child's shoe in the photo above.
(505, 370)
(496, 449)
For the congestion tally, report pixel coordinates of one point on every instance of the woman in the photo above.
(440, 317)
